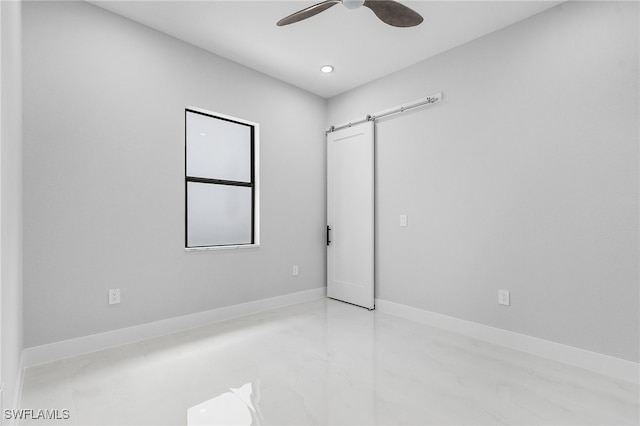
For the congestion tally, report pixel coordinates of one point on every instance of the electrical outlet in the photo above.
(114, 296)
(295, 271)
(503, 297)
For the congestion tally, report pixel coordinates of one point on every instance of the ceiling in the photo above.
(355, 42)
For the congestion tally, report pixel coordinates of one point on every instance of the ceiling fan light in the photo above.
(352, 4)
(326, 69)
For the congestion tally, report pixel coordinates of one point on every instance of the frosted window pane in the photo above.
(218, 149)
(218, 215)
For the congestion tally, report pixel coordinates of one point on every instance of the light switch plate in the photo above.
(403, 220)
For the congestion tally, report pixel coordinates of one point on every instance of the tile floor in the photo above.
(323, 362)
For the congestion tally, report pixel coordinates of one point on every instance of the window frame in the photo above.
(254, 184)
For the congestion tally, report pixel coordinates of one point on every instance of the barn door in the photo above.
(350, 215)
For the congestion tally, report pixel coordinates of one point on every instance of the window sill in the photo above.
(219, 248)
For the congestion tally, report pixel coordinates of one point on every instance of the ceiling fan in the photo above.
(388, 11)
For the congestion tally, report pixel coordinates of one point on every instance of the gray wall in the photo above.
(525, 178)
(10, 200)
(104, 103)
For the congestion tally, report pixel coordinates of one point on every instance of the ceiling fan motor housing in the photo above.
(352, 4)
(388, 11)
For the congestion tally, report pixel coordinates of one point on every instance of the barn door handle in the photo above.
(328, 235)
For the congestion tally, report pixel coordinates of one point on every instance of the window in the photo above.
(220, 180)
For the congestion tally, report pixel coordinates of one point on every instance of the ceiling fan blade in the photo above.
(308, 12)
(394, 13)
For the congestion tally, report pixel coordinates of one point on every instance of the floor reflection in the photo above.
(237, 407)
(324, 363)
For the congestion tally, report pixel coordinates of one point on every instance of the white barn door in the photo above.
(350, 215)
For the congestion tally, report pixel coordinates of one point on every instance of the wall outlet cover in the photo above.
(504, 297)
(114, 296)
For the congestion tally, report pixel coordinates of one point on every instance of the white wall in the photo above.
(104, 101)
(524, 178)
(10, 200)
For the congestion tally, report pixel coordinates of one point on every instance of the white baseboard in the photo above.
(603, 364)
(593, 361)
(96, 342)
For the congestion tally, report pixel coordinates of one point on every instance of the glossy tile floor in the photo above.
(323, 362)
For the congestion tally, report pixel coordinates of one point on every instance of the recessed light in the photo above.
(326, 69)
